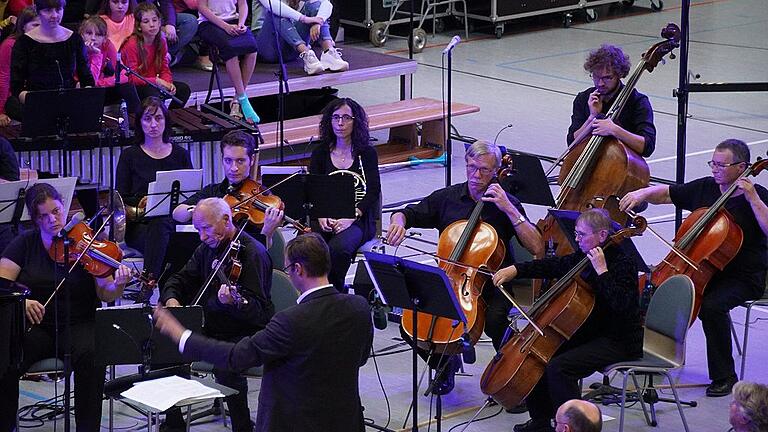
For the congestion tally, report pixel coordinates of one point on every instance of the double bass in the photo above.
(468, 248)
(599, 167)
(558, 313)
(710, 239)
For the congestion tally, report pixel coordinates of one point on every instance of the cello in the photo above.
(710, 238)
(559, 312)
(466, 249)
(598, 167)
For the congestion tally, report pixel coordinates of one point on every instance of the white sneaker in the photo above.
(312, 65)
(331, 60)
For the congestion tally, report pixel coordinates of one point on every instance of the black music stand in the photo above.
(12, 323)
(59, 113)
(527, 181)
(420, 288)
(310, 196)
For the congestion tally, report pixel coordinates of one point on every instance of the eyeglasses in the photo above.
(285, 269)
(554, 423)
(713, 164)
(604, 78)
(344, 117)
(484, 171)
(579, 234)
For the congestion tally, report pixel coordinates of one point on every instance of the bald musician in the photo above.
(578, 415)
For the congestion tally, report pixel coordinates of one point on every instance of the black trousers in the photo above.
(39, 344)
(572, 362)
(721, 295)
(343, 247)
(182, 92)
(151, 238)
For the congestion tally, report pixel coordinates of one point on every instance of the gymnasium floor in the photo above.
(528, 79)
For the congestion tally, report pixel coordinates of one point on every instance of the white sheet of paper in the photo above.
(191, 181)
(163, 393)
(10, 190)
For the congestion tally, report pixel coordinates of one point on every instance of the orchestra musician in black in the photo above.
(454, 203)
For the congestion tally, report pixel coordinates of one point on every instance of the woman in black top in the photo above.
(26, 261)
(345, 150)
(48, 57)
(136, 168)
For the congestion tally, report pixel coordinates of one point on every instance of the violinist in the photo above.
(612, 332)
(224, 320)
(136, 168)
(448, 205)
(27, 261)
(238, 157)
(744, 277)
(345, 149)
(607, 66)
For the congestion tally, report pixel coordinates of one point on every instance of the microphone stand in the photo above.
(449, 142)
(282, 78)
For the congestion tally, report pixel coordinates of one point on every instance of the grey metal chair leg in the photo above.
(677, 400)
(735, 336)
(623, 399)
(746, 338)
(649, 419)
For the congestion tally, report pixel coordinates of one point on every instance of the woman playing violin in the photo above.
(238, 158)
(744, 277)
(345, 149)
(27, 261)
(507, 216)
(611, 334)
(137, 167)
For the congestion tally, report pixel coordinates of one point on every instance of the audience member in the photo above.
(118, 14)
(26, 21)
(577, 415)
(749, 408)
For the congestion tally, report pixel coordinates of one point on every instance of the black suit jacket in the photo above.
(311, 354)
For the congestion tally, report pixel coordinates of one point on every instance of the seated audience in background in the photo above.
(203, 62)
(48, 57)
(222, 24)
(14, 7)
(118, 14)
(178, 29)
(298, 29)
(577, 415)
(102, 57)
(25, 22)
(749, 408)
(145, 52)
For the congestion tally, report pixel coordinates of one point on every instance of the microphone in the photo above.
(455, 41)
(379, 313)
(500, 131)
(76, 219)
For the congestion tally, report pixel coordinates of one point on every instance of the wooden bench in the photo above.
(401, 118)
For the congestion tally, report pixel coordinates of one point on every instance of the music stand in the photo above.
(527, 181)
(164, 193)
(60, 113)
(420, 288)
(12, 196)
(310, 196)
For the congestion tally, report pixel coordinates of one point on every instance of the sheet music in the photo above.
(191, 181)
(163, 393)
(9, 191)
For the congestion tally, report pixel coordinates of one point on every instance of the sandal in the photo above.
(234, 110)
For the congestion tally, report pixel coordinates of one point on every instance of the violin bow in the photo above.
(219, 264)
(671, 246)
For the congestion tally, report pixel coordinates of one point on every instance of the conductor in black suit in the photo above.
(311, 352)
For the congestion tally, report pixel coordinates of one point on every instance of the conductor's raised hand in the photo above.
(167, 324)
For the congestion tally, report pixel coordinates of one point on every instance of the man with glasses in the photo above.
(744, 277)
(311, 352)
(634, 126)
(612, 333)
(226, 318)
(238, 157)
(502, 211)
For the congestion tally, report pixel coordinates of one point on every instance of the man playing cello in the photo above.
(744, 277)
(448, 205)
(612, 332)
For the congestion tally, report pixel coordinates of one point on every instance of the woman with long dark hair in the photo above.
(345, 149)
(26, 21)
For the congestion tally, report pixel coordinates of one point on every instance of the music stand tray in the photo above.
(49, 112)
(331, 196)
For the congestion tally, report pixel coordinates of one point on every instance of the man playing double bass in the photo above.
(744, 277)
(454, 203)
(612, 332)
(607, 66)
(225, 319)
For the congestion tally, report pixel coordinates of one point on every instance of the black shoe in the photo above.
(721, 387)
(534, 425)
(519, 409)
(444, 382)
(166, 427)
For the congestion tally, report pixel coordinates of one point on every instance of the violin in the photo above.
(250, 200)
(231, 277)
(101, 259)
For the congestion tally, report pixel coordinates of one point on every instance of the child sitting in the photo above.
(118, 14)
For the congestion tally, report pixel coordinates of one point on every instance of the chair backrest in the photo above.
(276, 250)
(666, 323)
(283, 293)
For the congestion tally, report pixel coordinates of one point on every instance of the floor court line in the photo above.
(698, 153)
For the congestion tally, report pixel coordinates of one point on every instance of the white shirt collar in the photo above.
(309, 291)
